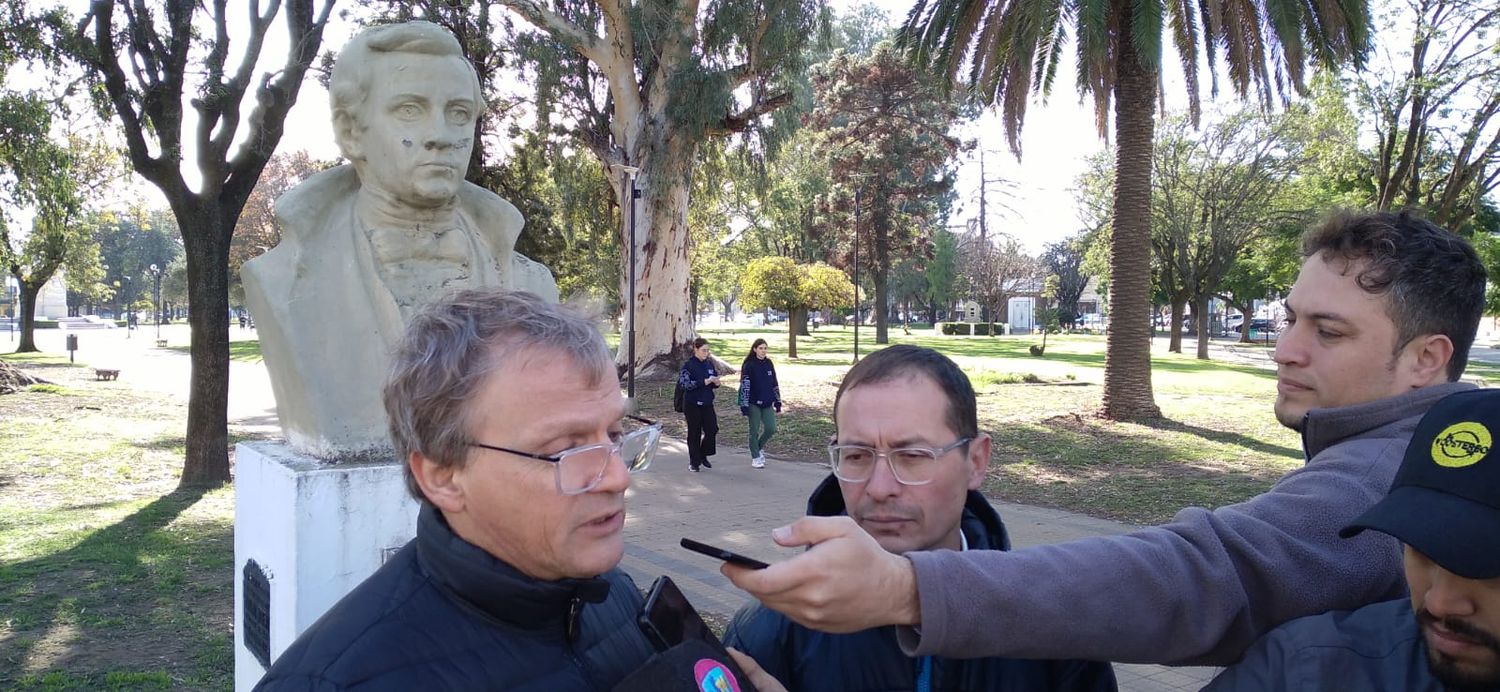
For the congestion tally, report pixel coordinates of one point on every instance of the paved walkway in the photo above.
(736, 506)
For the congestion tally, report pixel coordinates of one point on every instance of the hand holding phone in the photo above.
(724, 554)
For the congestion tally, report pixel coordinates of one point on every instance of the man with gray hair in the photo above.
(508, 416)
(365, 244)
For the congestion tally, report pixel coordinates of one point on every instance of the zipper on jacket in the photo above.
(575, 608)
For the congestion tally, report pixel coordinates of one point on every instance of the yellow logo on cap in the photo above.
(1460, 445)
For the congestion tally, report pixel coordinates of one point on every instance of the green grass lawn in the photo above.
(1217, 444)
(110, 577)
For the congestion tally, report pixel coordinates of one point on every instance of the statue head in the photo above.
(410, 132)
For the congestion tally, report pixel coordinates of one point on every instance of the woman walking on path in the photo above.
(759, 394)
(698, 380)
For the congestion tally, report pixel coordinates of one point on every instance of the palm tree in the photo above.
(1004, 51)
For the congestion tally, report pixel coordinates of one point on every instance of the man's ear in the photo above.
(1427, 359)
(439, 482)
(346, 133)
(978, 460)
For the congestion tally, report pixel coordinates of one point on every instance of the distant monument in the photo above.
(366, 243)
(363, 245)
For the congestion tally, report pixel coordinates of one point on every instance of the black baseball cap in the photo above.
(1445, 500)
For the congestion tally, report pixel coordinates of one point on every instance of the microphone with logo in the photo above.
(690, 658)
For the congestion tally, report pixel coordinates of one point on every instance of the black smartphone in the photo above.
(728, 556)
(668, 620)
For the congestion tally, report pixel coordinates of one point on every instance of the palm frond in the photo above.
(1185, 37)
(1146, 21)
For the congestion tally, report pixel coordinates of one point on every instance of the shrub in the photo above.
(1038, 351)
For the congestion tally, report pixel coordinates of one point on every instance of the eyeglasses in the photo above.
(910, 465)
(580, 469)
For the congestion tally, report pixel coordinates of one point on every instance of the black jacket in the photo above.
(691, 377)
(443, 614)
(871, 660)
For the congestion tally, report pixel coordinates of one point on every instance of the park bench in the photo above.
(106, 374)
(161, 343)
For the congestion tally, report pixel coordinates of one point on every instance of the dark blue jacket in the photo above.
(691, 377)
(443, 614)
(872, 661)
(758, 385)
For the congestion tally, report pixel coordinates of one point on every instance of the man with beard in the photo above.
(1379, 325)
(1445, 508)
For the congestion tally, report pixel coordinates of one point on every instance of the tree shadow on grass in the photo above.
(1121, 472)
(1230, 438)
(167, 443)
(130, 596)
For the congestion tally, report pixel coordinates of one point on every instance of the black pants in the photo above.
(702, 434)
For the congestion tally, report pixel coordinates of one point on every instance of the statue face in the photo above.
(419, 128)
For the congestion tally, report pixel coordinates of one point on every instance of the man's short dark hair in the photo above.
(699, 342)
(904, 360)
(1432, 279)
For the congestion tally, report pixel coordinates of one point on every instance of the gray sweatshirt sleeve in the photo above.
(1196, 591)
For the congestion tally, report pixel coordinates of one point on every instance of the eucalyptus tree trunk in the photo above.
(647, 76)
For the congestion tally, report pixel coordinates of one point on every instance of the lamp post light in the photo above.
(627, 181)
(156, 275)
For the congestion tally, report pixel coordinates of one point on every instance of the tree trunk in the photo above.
(1174, 328)
(663, 311)
(29, 293)
(206, 244)
(1245, 325)
(882, 277)
(1127, 362)
(1200, 317)
(793, 317)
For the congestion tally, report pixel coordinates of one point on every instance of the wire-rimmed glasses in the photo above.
(910, 465)
(580, 469)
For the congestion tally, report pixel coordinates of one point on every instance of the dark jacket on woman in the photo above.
(443, 614)
(691, 377)
(758, 385)
(871, 660)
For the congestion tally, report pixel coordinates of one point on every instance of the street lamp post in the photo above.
(156, 275)
(627, 180)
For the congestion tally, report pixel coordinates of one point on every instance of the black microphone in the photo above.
(692, 666)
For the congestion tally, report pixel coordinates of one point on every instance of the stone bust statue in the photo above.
(366, 243)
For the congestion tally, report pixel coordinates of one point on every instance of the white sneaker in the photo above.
(758, 462)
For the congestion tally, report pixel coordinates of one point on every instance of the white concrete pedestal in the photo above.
(316, 529)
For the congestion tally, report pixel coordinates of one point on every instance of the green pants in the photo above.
(762, 427)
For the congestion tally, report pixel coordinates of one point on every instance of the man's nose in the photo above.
(1448, 595)
(882, 481)
(1289, 347)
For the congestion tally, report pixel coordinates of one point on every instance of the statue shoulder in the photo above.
(491, 212)
(302, 208)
